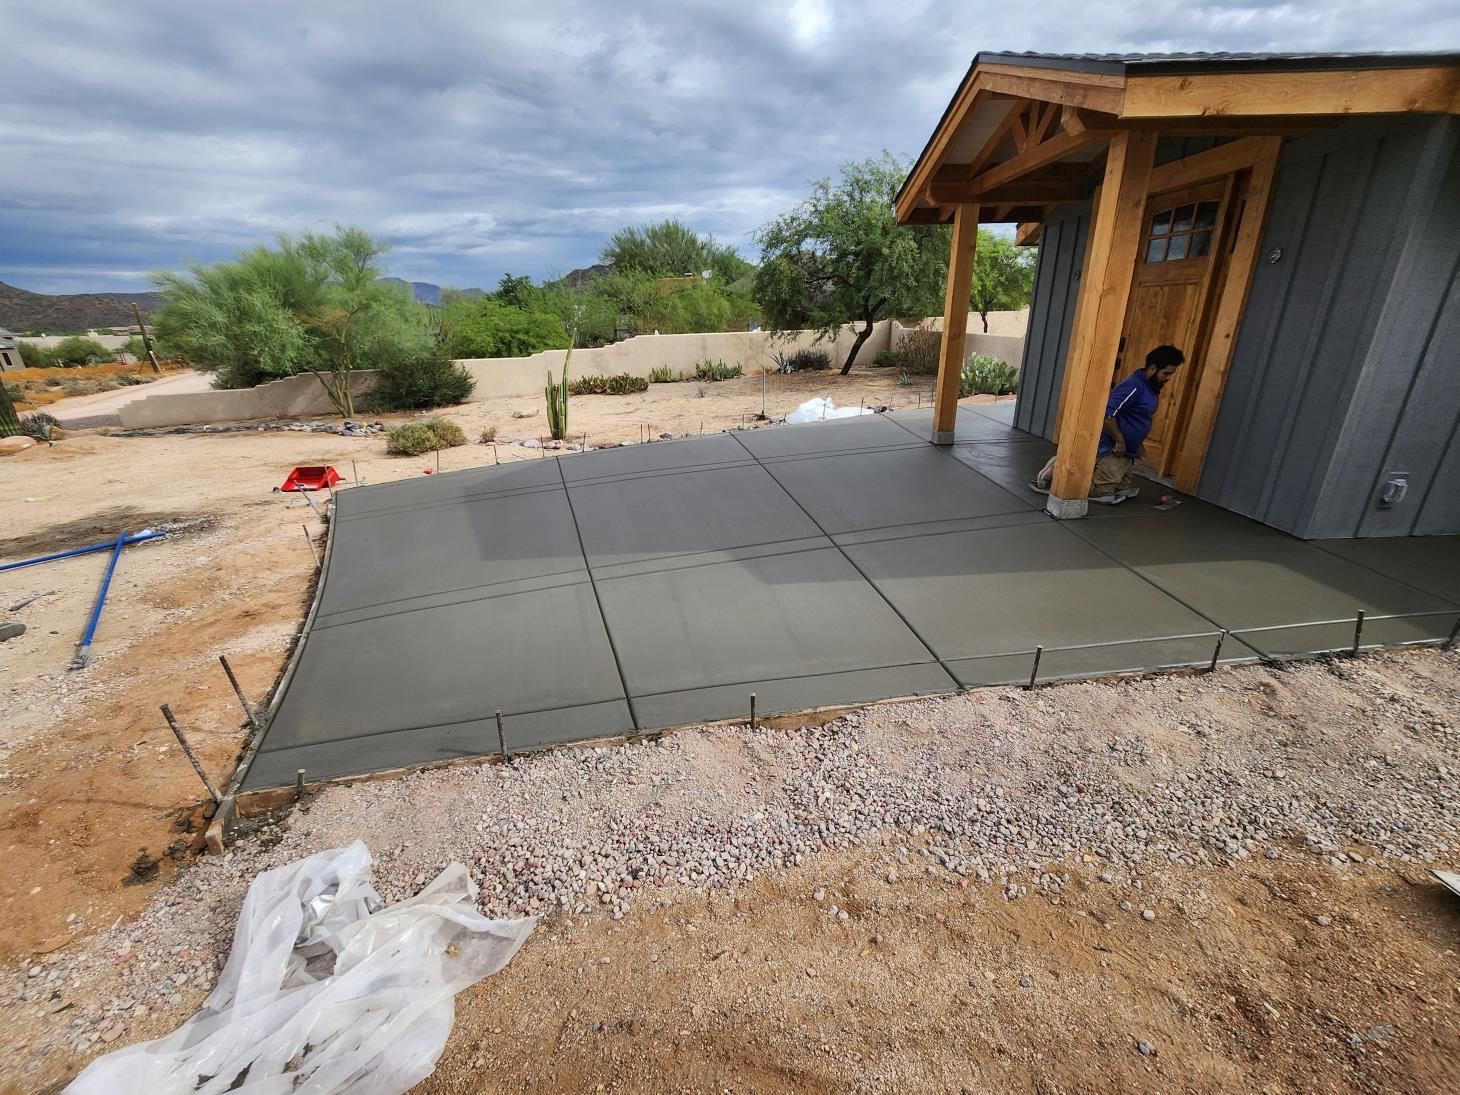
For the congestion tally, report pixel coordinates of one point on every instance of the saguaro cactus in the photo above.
(9, 420)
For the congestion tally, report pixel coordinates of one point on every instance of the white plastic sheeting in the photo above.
(819, 410)
(323, 993)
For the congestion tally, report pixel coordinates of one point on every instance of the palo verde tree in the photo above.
(1003, 276)
(839, 257)
(314, 303)
(670, 248)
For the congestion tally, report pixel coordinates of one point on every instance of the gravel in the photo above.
(1029, 792)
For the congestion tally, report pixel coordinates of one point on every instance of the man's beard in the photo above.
(1157, 383)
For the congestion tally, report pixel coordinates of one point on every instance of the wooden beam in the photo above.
(1086, 89)
(1022, 192)
(1041, 118)
(1027, 233)
(1083, 303)
(1211, 164)
(1075, 120)
(1433, 90)
(1227, 320)
(925, 215)
(1114, 241)
(955, 323)
(1041, 155)
(964, 100)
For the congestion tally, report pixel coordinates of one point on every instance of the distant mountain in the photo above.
(425, 292)
(577, 279)
(22, 310)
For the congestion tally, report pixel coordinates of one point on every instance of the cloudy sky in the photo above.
(490, 137)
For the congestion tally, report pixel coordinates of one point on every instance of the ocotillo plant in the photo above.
(9, 420)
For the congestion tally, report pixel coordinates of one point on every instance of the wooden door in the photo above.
(1168, 301)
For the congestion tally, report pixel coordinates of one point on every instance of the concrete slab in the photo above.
(449, 488)
(1248, 576)
(972, 425)
(1432, 563)
(983, 600)
(744, 624)
(870, 431)
(694, 452)
(865, 490)
(709, 509)
(360, 689)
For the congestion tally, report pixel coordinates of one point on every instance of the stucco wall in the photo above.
(1004, 341)
(292, 397)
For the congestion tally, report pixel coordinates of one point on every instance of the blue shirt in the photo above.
(1132, 403)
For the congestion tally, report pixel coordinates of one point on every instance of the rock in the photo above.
(9, 446)
(1126, 906)
(1148, 914)
(1323, 921)
(112, 1033)
(819, 895)
(1026, 982)
(1145, 1049)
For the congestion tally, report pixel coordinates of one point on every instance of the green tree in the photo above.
(486, 327)
(312, 304)
(1003, 276)
(840, 257)
(516, 291)
(671, 248)
(78, 350)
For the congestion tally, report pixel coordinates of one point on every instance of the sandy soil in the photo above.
(91, 781)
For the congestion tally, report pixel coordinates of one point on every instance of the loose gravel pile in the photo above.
(1353, 763)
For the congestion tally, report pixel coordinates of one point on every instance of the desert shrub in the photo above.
(805, 358)
(663, 374)
(904, 378)
(886, 359)
(425, 378)
(984, 374)
(920, 350)
(489, 434)
(81, 351)
(622, 384)
(38, 425)
(14, 392)
(414, 438)
(134, 346)
(717, 370)
(35, 356)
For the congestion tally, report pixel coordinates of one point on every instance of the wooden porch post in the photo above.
(1115, 238)
(955, 323)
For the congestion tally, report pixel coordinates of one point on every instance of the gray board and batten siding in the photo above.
(1346, 372)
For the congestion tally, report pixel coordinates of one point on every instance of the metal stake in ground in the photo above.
(1358, 632)
(752, 710)
(1034, 670)
(1454, 634)
(238, 691)
(1217, 653)
(188, 749)
(501, 739)
(355, 472)
(310, 542)
(299, 784)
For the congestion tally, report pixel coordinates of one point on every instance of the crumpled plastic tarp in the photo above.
(819, 409)
(322, 993)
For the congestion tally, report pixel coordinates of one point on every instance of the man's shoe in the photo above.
(1107, 499)
(1128, 492)
(1034, 486)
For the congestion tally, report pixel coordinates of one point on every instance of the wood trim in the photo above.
(1020, 192)
(996, 138)
(1349, 91)
(1202, 417)
(964, 99)
(1114, 240)
(1075, 120)
(955, 320)
(1041, 155)
(1225, 159)
(1096, 91)
(1028, 233)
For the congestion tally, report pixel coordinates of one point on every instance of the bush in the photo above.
(35, 356)
(81, 351)
(426, 378)
(717, 370)
(662, 375)
(414, 438)
(134, 346)
(920, 350)
(622, 384)
(38, 425)
(806, 358)
(489, 434)
(482, 327)
(886, 359)
(984, 374)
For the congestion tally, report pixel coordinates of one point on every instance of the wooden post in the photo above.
(955, 323)
(1114, 240)
(146, 339)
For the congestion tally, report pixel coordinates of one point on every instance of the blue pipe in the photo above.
(83, 649)
(110, 545)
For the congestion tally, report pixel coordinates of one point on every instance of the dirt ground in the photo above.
(926, 986)
(91, 781)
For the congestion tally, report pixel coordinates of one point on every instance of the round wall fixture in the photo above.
(1275, 255)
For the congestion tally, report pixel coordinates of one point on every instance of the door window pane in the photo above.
(1206, 215)
(1201, 243)
(1161, 223)
(1156, 250)
(1181, 219)
(1178, 248)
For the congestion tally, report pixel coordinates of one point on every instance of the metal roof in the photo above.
(1158, 64)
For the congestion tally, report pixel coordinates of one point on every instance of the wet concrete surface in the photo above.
(634, 589)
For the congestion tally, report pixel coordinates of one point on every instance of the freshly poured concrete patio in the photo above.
(634, 589)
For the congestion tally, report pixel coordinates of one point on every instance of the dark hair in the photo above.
(1164, 357)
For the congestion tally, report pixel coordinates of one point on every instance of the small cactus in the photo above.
(9, 420)
(557, 402)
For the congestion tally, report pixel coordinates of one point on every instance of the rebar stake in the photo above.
(438, 460)
(752, 710)
(1217, 653)
(188, 749)
(298, 784)
(501, 738)
(1034, 671)
(494, 454)
(238, 691)
(1454, 633)
(355, 472)
(310, 542)
(1358, 632)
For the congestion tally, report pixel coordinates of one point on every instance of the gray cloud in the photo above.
(488, 138)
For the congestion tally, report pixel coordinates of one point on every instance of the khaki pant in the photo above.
(1112, 473)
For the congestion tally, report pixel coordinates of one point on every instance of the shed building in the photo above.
(1292, 222)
